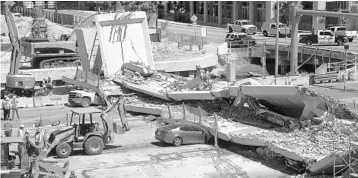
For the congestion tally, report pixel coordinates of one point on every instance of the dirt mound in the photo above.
(169, 51)
(23, 25)
(243, 66)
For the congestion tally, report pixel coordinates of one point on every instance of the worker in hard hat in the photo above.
(21, 131)
(21, 146)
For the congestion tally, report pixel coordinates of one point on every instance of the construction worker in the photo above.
(38, 137)
(21, 146)
(21, 132)
(14, 108)
(6, 106)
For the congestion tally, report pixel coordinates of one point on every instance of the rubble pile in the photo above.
(161, 82)
(167, 50)
(243, 66)
(339, 109)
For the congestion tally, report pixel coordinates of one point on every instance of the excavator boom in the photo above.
(14, 39)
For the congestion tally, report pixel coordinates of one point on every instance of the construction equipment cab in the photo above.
(90, 129)
(323, 37)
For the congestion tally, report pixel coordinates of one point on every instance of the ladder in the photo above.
(94, 49)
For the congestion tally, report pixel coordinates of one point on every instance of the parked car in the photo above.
(239, 40)
(182, 133)
(323, 37)
(242, 26)
(342, 30)
(269, 28)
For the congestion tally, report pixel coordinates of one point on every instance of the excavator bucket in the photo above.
(115, 118)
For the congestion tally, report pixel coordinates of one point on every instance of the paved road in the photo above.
(219, 34)
(137, 154)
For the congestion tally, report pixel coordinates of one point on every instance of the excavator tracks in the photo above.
(48, 63)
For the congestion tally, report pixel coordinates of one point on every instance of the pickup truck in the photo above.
(239, 40)
(323, 37)
(342, 30)
(270, 29)
(242, 26)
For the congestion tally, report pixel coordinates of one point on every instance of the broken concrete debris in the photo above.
(305, 144)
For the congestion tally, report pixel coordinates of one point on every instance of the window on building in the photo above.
(261, 12)
(245, 10)
(342, 4)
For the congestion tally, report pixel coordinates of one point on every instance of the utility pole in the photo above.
(346, 47)
(277, 36)
(294, 36)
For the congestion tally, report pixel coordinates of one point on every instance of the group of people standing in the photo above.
(10, 104)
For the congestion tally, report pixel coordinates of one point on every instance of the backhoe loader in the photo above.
(90, 129)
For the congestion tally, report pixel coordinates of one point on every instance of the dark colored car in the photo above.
(239, 40)
(182, 133)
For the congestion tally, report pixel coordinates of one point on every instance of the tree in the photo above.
(284, 10)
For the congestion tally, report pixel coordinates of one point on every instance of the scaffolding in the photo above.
(347, 162)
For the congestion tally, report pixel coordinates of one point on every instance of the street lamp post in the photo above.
(346, 47)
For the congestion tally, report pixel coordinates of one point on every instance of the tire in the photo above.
(265, 33)
(350, 40)
(93, 146)
(243, 30)
(63, 150)
(86, 102)
(230, 30)
(309, 42)
(177, 141)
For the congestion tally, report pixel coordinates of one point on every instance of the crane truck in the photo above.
(20, 83)
(41, 50)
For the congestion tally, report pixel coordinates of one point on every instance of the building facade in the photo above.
(219, 13)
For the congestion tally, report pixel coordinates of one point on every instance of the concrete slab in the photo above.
(208, 60)
(123, 41)
(143, 109)
(325, 165)
(220, 93)
(286, 153)
(137, 68)
(146, 90)
(191, 95)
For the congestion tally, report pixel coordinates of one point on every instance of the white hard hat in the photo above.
(22, 126)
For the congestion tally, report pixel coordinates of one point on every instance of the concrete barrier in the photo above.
(37, 101)
(53, 100)
(24, 102)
